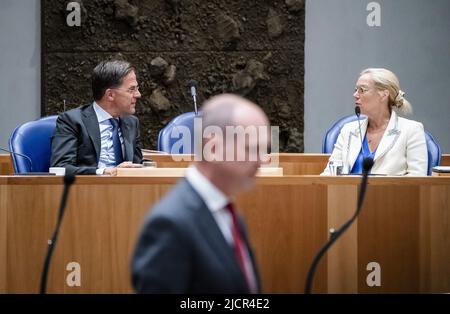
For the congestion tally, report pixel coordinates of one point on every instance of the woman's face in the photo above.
(367, 97)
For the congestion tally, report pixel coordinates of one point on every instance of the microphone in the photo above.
(69, 179)
(335, 234)
(193, 86)
(19, 154)
(358, 113)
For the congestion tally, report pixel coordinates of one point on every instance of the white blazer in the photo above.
(401, 151)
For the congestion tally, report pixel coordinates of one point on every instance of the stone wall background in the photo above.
(251, 47)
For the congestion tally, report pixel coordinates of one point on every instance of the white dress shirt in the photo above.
(107, 159)
(216, 202)
(214, 199)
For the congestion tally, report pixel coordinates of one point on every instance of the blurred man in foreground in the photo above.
(193, 240)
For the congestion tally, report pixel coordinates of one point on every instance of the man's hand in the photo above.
(125, 164)
(110, 172)
(129, 164)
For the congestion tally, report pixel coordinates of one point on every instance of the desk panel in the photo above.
(404, 227)
(292, 163)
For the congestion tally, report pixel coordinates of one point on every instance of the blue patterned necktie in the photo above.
(116, 141)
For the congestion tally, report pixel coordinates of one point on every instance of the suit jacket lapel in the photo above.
(354, 143)
(243, 232)
(127, 141)
(91, 123)
(389, 138)
(213, 235)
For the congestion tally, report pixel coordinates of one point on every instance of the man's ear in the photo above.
(109, 95)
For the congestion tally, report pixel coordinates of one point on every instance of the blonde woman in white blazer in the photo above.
(397, 145)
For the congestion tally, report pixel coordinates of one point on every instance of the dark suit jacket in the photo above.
(76, 140)
(182, 250)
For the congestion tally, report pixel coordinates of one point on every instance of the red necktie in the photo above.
(240, 251)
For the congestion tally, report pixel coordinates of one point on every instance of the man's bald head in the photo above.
(235, 134)
(232, 110)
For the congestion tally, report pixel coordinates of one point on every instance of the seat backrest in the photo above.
(330, 138)
(434, 152)
(32, 139)
(332, 133)
(179, 131)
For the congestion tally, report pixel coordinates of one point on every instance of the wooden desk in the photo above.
(6, 166)
(404, 226)
(292, 163)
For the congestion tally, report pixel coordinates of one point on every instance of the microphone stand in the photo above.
(358, 113)
(21, 155)
(68, 181)
(367, 165)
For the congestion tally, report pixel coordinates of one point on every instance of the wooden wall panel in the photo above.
(286, 232)
(404, 226)
(343, 255)
(434, 235)
(3, 238)
(388, 234)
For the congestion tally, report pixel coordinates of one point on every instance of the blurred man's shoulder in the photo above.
(180, 202)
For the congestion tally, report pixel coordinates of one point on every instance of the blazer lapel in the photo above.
(354, 144)
(389, 138)
(127, 141)
(91, 123)
(244, 234)
(213, 235)
(216, 239)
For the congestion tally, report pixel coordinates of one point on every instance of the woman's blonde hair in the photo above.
(387, 80)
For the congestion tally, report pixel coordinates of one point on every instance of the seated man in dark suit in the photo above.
(193, 241)
(99, 137)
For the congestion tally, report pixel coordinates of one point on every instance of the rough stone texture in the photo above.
(295, 5)
(274, 26)
(158, 67)
(126, 11)
(170, 74)
(158, 101)
(227, 46)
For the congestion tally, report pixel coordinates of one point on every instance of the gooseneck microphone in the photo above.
(358, 113)
(367, 165)
(21, 155)
(193, 86)
(69, 179)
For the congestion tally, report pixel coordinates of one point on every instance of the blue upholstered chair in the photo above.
(332, 133)
(177, 137)
(32, 139)
(330, 138)
(434, 152)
